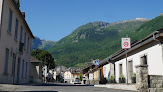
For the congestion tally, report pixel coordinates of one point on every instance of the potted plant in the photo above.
(121, 79)
(112, 79)
(133, 78)
(103, 80)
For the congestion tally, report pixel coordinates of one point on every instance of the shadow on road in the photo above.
(51, 84)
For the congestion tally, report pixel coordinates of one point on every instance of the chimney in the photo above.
(23, 13)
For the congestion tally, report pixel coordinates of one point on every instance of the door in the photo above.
(130, 71)
(13, 66)
(18, 71)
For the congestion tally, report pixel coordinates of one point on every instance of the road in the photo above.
(57, 88)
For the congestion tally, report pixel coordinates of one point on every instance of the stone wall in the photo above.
(148, 83)
(142, 78)
(155, 90)
(155, 81)
(92, 82)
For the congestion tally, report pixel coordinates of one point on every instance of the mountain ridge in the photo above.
(92, 40)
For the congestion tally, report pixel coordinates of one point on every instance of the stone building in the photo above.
(15, 43)
(35, 70)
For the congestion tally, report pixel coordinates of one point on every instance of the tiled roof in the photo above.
(34, 60)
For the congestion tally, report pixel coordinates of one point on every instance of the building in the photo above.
(45, 73)
(144, 59)
(148, 51)
(15, 43)
(93, 72)
(72, 74)
(52, 74)
(60, 69)
(59, 72)
(35, 70)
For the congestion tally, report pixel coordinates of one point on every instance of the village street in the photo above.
(57, 88)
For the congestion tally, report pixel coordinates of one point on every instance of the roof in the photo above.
(75, 70)
(34, 60)
(21, 16)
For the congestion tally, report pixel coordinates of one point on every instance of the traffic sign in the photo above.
(96, 62)
(125, 42)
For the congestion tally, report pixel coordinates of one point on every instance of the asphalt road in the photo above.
(57, 88)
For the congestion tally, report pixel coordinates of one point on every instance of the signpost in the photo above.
(126, 44)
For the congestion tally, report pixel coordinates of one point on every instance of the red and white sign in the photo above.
(125, 42)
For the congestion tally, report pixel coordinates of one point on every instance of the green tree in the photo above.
(45, 57)
(81, 77)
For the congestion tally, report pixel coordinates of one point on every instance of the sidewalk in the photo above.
(11, 87)
(118, 86)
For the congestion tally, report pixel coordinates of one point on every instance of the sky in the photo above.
(55, 19)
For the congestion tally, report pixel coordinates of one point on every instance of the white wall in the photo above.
(90, 76)
(108, 70)
(154, 60)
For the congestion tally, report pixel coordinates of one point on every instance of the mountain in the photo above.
(42, 44)
(93, 40)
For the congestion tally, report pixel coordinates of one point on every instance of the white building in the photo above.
(148, 51)
(108, 70)
(15, 43)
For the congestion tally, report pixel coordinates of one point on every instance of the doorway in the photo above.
(130, 71)
(18, 71)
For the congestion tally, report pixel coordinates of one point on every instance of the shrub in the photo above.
(103, 80)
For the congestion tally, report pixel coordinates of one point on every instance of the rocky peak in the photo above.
(161, 14)
(100, 24)
(133, 20)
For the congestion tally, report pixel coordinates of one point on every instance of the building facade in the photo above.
(148, 52)
(145, 54)
(72, 74)
(15, 43)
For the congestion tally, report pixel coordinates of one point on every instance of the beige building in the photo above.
(72, 73)
(35, 70)
(15, 43)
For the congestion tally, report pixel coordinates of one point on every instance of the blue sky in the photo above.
(55, 19)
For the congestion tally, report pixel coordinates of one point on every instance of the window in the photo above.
(16, 29)
(26, 67)
(6, 61)
(28, 44)
(25, 40)
(13, 64)
(21, 44)
(23, 69)
(10, 20)
(120, 70)
(21, 33)
(144, 60)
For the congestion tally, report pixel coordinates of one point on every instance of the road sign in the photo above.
(96, 62)
(125, 42)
